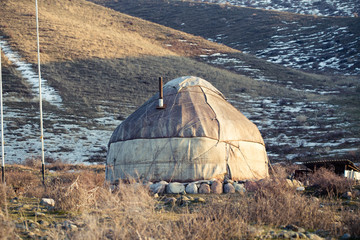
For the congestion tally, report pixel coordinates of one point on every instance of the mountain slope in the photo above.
(325, 44)
(104, 64)
(100, 65)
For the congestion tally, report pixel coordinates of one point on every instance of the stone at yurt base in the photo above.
(205, 187)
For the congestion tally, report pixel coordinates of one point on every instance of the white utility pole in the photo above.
(40, 96)
(2, 126)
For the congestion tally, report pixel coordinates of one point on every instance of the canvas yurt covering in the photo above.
(199, 135)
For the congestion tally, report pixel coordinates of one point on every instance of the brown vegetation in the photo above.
(131, 211)
(327, 182)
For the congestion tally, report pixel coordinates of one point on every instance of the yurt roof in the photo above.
(194, 108)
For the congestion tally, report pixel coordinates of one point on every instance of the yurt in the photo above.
(194, 135)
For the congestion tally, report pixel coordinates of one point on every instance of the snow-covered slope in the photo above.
(313, 7)
(67, 137)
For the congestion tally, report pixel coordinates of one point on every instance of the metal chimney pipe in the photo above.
(161, 104)
(161, 93)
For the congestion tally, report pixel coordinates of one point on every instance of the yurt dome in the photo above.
(198, 135)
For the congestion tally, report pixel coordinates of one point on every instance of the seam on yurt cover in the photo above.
(154, 160)
(219, 131)
(201, 86)
(225, 141)
(174, 159)
(246, 160)
(227, 156)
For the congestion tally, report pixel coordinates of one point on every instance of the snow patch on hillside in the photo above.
(48, 93)
(70, 138)
(301, 53)
(313, 7)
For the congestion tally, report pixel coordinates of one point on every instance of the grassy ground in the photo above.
(85, 208)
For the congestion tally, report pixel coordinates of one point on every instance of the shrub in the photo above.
(327, 182)
(276, 203)
(75, 192)
(24, 182)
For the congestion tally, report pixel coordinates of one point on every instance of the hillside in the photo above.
(300, 41)
(99, 65)
(93, 62)
(347, 8)
(308, 42)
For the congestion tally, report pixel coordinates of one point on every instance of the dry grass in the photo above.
(76, 192)
(94, 31)
(6, 226)
(278, 204)
(130, 212)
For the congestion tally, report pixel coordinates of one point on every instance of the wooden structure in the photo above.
(338, 166)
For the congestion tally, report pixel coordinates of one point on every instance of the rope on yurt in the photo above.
(272, 169)
(246, 160)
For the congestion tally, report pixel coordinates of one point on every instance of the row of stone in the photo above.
(202, 187)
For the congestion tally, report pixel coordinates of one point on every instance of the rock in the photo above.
(240, 188)
(43, 222)
(69, 226)
(228, 181)
(199, 200)
(39, 214)
(293, 234)
(73, 227)
(198, 183)
(31, 235)
(183, 200)
(32, 225)
(296, 183)
(313, 236)
(204, 188)
(254, 231)
(345, 236)
(301, 230)
(20, 226)
(175, 188)
(170, 201)
(302, 235)
(217, 187)
(191, 188)
(294, 228)
(229, 188)
(347, 195)
(251, 186)
(47, 202)
(190, 198)
(284, 234)
(300, 189)
(158, 187)
(147, 184)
